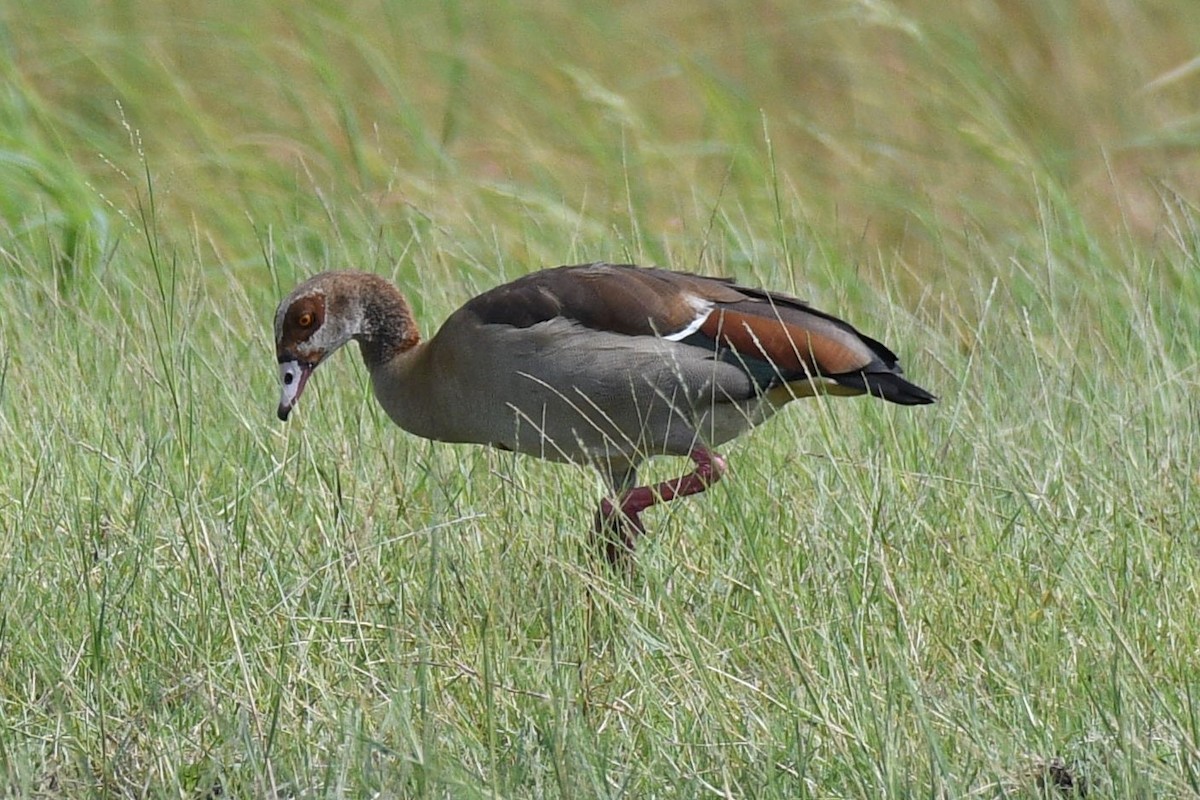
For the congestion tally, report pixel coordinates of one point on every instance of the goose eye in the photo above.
(306, 319)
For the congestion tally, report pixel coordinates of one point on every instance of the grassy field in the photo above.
(995, 596)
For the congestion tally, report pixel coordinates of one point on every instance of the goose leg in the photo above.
(614, 532)
(619, 525)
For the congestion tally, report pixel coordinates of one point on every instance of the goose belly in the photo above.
(560, 392)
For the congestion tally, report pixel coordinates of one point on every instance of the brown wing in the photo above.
(624, 299)
(777, 339)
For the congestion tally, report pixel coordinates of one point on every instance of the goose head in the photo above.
(327, 311)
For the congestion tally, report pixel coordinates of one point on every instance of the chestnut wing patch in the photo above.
(780, 342)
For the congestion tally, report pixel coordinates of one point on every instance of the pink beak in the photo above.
(293, 375)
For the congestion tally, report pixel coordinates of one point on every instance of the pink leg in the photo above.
(627, 517)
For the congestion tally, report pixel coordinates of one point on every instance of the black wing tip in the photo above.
(896, 389)
(889, 386)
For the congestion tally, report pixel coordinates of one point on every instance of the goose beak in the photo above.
(293, 375)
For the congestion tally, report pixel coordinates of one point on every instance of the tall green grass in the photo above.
(990, 597)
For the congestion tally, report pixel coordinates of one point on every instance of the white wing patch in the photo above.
(703, 308)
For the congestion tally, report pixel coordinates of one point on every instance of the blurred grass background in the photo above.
(994, 597)
(896, 129)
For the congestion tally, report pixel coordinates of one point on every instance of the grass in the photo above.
(991, 597)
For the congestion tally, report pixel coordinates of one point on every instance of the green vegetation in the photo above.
(990, 597)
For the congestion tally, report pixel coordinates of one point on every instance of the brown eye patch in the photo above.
(303, 318)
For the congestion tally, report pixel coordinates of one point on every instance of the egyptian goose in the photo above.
(598, 363)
